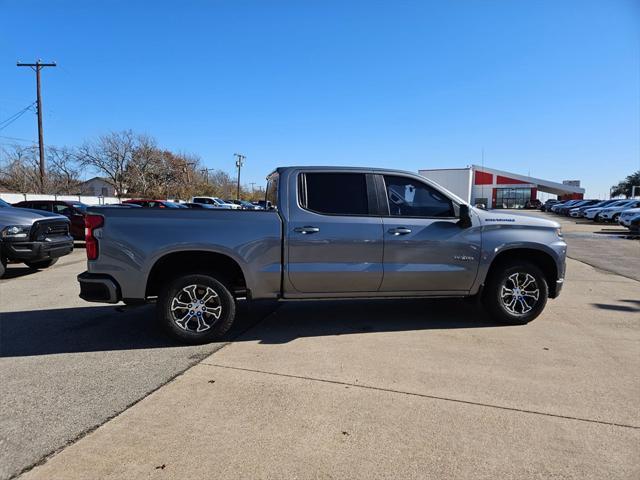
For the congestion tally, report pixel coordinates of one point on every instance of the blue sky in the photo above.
(546, 87)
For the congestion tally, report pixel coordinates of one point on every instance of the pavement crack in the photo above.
(424, 395)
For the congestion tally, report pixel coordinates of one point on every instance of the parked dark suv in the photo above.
(34, 237)
(74, 211)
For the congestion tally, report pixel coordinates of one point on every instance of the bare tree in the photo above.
(63, 172)
(111, 155)
(146, 164)
(19, 169)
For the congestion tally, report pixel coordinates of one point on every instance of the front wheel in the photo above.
(516, 293)
(196, 309)
(41, 264)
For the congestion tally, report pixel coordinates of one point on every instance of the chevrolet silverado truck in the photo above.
(333, 232)
(34, 237)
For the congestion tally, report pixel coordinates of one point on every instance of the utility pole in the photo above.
(36, 67)
(205, 171)
(239, 163)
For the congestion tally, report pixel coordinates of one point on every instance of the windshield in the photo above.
(4, 204)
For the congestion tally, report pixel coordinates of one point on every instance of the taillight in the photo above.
(91, 222)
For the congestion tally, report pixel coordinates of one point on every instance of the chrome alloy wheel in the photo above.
(519, 293)
(196, 308)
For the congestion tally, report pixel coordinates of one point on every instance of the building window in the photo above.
(512, 197)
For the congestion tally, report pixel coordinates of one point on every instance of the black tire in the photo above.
(498, 304)
(3, 267)
(41, 264)
(615, 218)
(186, 325)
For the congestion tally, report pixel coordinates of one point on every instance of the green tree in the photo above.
(625, 187)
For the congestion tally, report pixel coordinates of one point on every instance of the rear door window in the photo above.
(335, 193)
(41, 206)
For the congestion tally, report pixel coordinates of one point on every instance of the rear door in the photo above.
(334, 236)
(425, 250)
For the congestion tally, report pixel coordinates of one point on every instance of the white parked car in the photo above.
(627, 215)
(612, 214)
(215, 202)
(594, 213)
(578, 212)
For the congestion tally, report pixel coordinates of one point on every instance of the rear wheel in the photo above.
(196, 309)
(41, 264)
(615, 218)
(516, 293)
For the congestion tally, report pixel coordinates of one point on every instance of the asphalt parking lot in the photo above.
(359, 389)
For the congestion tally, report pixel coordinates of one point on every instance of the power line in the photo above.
(36, 67)
(9, 120)
(18, 139)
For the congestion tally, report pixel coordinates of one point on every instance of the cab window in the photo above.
(271, 195)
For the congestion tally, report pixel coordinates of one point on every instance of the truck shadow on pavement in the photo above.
(329, 318)
(104, 328)
(16, 272)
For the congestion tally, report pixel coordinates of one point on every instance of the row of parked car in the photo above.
(36, 232)
(624, 212)
(76, 211)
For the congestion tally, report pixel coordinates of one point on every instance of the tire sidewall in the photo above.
(493, 300)
(221, 326)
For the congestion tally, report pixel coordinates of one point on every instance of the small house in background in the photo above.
(97, 187)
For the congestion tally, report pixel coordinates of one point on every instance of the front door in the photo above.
(334, 241)
(425, 250)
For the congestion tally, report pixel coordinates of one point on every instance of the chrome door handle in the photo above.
(306, 230)
(399, 231)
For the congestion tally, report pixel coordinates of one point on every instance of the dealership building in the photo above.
(499, 189)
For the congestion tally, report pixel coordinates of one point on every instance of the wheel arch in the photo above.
(542, 259)
(174, 264)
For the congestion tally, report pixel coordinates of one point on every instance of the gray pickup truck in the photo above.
(334, 232)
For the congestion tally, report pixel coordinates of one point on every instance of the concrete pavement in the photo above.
(68, 366)
(400, 389)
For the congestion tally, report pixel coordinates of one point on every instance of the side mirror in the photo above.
(465, 217)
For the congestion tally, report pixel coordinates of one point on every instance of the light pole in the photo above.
(239, 163)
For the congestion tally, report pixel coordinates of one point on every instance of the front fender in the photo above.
(497, 239)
